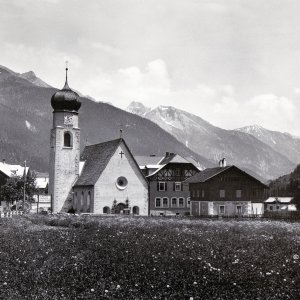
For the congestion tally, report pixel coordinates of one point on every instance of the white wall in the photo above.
(105, 190)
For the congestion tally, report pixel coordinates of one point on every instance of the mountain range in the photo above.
(26, 119)
(267, 153)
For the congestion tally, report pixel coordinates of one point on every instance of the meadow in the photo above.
(71, 257)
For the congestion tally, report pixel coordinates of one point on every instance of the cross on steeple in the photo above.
(122, 153)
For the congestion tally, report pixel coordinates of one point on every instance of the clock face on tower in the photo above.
(68, 120)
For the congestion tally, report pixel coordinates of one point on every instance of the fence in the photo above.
(10, 214)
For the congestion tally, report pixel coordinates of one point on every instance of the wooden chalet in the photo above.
(226, 191)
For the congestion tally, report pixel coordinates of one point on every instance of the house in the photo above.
(226, 191)
(167, 194)
(280, 204)
(104, 179)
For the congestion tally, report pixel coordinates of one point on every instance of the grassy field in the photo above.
(46, 257)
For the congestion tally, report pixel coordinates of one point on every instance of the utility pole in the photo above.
(24, 190)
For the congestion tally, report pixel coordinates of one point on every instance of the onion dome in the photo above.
(65, 99)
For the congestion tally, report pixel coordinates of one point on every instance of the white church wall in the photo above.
(106, 189)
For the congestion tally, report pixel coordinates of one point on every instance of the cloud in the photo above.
(219, 104)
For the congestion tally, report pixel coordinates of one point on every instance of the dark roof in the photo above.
(206, 174)
(65, 99)
(209, 173)
(96, 158)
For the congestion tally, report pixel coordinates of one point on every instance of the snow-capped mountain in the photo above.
(284, 143)
(239, 148)
(137, 108)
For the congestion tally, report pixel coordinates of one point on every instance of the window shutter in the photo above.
(181, 186)
(166, 186)
(158, 185)
(173, 186)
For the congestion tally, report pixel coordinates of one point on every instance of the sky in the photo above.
(233, 63)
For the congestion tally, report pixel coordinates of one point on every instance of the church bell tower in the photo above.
(64, 147)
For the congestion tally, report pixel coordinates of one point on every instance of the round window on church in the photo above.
(121, 183)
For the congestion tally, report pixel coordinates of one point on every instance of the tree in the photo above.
(13, 190)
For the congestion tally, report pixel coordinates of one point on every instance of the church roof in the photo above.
(96, 158)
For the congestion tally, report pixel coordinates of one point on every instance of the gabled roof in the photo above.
(147, 160)
(96, 159)
(12, 170)
(209, 173)
(173, 158)
(206, 174)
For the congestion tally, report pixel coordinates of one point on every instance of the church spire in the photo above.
(66, 86)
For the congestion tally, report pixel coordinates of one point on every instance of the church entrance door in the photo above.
(120, 208)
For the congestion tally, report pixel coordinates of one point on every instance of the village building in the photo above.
(226, 191)
(280, 204)
(104, 179)
(167, 194)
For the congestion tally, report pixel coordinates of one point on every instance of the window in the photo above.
(277, 207)
(136, 210)
(238, 193)
(222, 193)
(81, 201)
(177, 172)
(188, 202)
(157, 202)
(67, 139)
(198, 193)
(202, 193)
(177, 186)
(106, 210)
(181, 202)
(174, 202)
(75, 201)
(271, 207)
(88, 201)
(121, 183)
(162, 186)
(239, 209)
(193, 193)
(221, 209)
(165, 202)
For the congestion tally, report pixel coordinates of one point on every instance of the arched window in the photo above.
(136, 210)
(106, 210)
(67, 139)
(88, 202)
(75, 201)
(81, 201)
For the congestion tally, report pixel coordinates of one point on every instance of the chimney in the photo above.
(3, 160)
(167, 154)
(222, 163)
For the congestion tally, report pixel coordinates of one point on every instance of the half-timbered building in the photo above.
(167, 194)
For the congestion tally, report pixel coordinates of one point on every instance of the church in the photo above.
(105, 178)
